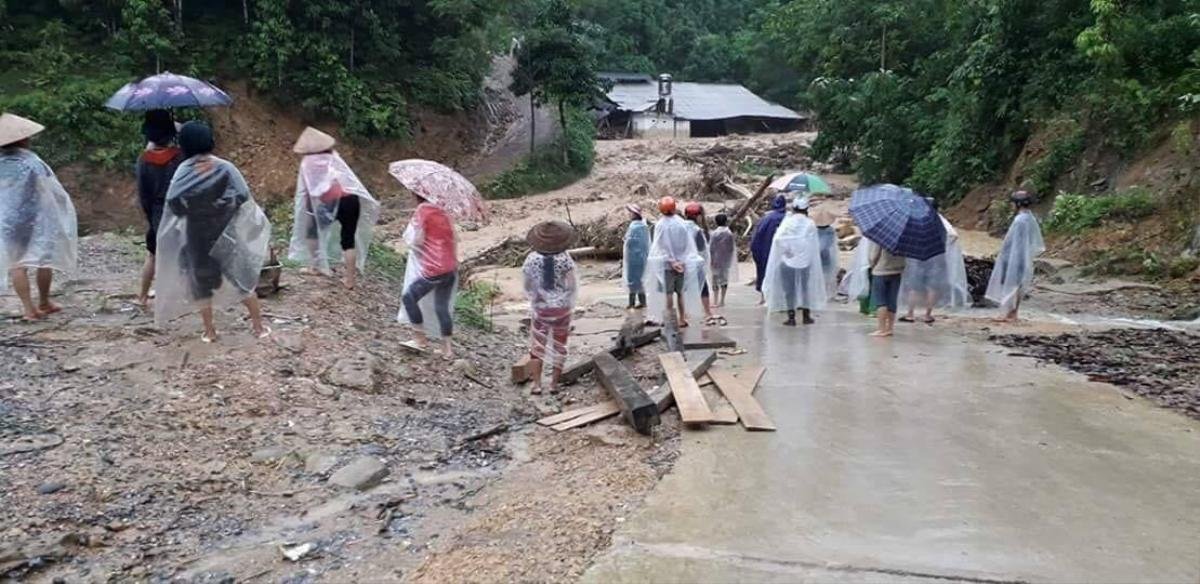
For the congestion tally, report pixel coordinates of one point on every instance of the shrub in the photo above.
(472, 306)
(1078, 213)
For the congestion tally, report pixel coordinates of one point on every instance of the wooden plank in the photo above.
(521, 370)
(723, 413)
(572, 414)
(636, 407)
(609, 410)
(692, 407)
(739, 392)
(699, 361)
(701, 338)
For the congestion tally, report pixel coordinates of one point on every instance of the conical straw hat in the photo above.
(313, 141)
(14, 128)
(824, 217)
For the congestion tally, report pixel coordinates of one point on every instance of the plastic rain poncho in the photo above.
(794, 277)
(940, 281)
(701, 239)
(316, 231)
(764, 234)
(38, 228)
(829, 259)
(673, 242)
(432, 253)
(723, 257)
(856, 284)
(1013, 272)
(637, 247)
(212, 242)
(552, 288)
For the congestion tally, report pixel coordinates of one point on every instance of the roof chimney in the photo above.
(664, 85)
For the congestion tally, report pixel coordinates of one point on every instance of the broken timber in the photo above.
(632, 336)
(670, 333)
(739, 391)
(692, 407)
(662, 398)
(702, 338)
(636, 406)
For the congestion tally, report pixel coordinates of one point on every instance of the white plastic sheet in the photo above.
(212, 242)
(1013, 274)
(673, 245)
(856, 284)
(38, 228)
(723, 257)
(938, 282)
(426, 254)
(551, 304)
(795, 278)
(316, 234)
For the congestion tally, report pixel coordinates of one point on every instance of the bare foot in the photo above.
(535, 390)
(348, 282)
(263, 332)
(48, 308)
(881, 334)
(208, 337)
(32, 316)
(683, 324)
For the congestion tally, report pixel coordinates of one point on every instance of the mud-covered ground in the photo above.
(1161, 365)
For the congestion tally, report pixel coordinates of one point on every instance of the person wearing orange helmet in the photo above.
(673, 268)
(698, 223)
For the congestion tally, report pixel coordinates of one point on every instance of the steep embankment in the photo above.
(257, 134)
(1119, 213)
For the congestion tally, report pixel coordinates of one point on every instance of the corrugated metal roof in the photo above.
(701, 101)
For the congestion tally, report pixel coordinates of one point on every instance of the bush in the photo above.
(473, 305)
(546, 170)
(1077, 213)
(78, 126)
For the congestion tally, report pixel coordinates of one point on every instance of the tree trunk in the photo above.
(246, 12)
(179, 15)
(562, 120)
(351, 47)
(532, 125)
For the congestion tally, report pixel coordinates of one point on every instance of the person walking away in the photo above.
(937, 282)
(213, 238)
(760, 242)
(723, 252)
(155, 168)
(794, 279)
(694, 215)
(1012, 276)
(637, 247)
(887, 269)
(551, 285)
(673, 268)
(331, 205)
(38, 227)
(827, 235)
(431, 275)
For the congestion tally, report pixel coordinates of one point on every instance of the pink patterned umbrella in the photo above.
(441, 186)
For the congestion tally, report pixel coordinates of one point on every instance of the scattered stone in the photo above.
(319, 463)
(464, 367)
(357, 372)
(297, 552)
(270, 453)
(362, 473)
(50, 487)
(325, 390)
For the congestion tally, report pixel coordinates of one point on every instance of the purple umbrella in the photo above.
(167, 91)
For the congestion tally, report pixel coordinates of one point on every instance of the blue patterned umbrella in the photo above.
(167, 91)
(899, 220)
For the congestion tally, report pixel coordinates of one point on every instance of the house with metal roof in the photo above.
(639, 107)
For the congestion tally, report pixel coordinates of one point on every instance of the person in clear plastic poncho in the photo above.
(1012, 276)
(430, 275)
(551, 285)
(856, 283)
(636, 248)
(38, 229)
(827, 235)
(213, 239)
(938, 282)
(698, 224)
(722, 258)
(334, 213)
(794, 278)
(674, 269)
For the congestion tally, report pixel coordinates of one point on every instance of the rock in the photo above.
(290, 341)
(270, 453)
(325, 390)
(50, 487)
(1048, 266)
(357, 372)
(463, 367)
(319, 463)
(362, 473)
(297, 552)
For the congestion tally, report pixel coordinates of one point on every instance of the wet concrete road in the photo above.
(928, 458)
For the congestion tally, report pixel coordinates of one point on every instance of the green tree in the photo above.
(556, 64)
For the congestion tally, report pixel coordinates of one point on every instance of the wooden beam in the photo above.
(699, 361)
(692, 407)
(670, 333)
(521, 370)
(739, 392)
(749, 203)
(636, 407)
(574, 373)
